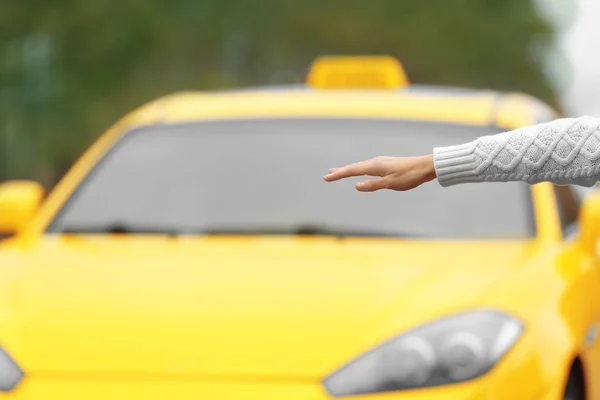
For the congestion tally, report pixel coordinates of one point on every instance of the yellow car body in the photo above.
(156, 316)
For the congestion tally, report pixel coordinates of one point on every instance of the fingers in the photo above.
(357, 169)
(372, 185)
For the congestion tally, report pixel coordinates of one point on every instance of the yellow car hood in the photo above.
(276, 307)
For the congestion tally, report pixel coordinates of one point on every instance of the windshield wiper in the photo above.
(299, 230)
(118, 228)
(293, 230)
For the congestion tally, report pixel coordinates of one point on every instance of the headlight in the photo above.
(453, 349)
(10, 373)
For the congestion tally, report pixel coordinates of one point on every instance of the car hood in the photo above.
(231, 306)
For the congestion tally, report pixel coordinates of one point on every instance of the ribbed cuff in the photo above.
(454, 164)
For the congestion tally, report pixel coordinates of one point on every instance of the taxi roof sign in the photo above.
(363, 72)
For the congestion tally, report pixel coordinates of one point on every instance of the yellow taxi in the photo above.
(194, 252)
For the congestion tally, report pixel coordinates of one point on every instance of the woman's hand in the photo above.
(395, 173)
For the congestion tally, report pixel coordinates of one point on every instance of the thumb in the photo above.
(371, 185)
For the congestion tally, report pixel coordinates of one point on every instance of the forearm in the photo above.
(564, 151)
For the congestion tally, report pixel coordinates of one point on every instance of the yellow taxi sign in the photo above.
(365, 72)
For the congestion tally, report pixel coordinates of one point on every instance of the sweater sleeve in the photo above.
(565, 151)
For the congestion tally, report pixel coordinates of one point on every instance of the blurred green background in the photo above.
(71, 68)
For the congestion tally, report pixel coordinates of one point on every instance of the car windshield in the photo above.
(260, 176)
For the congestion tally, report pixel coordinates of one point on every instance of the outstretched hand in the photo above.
(395, 173)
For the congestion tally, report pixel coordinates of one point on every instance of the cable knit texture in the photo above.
(565, 151)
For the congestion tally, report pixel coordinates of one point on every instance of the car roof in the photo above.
(418, 102)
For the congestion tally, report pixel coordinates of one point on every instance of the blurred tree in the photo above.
(70, 68)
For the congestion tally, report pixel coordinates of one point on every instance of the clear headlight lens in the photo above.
(453, 349)
(10, 373)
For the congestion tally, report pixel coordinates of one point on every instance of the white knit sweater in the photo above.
(565, 151)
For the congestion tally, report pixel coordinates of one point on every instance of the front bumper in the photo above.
(522, 374)
(523, 382)
(150, 390)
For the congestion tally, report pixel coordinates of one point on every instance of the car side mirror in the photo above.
(19, 201)
(589, 222)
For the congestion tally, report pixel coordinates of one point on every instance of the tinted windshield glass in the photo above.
(256, 175)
